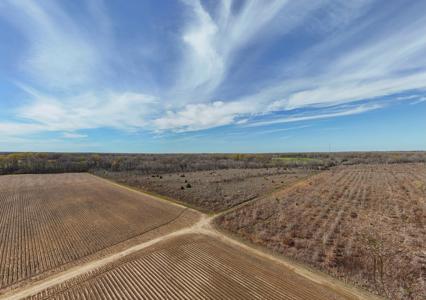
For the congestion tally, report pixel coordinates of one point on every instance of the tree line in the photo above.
(32, 162)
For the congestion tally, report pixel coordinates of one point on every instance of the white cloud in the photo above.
(362, 73)
(354, 90)
(61, 53)
(72, 135)
(283, 129)
(212, 43)
(200, 38)
(420, 100)
(387, 61)
(124, 111)
(202, 116)
(322, 115)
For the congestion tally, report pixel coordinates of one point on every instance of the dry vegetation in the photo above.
(48, 221)
(363, 223)
(190, 267)
(212, 190)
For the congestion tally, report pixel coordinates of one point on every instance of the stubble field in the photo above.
(364, 223)
(51, 221)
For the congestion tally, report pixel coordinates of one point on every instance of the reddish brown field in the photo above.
(50, 221)
(191, 267)
(365, 224)
(212, 190)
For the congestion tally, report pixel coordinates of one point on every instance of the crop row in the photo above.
(55, 222)
(194, 267)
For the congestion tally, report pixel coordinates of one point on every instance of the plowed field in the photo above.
(191, 267)
(50, 221)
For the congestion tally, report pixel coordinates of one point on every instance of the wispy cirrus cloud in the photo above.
(203, 116)
(322, 114)
(381, 65)
(388, 60)
(60, 53)
(126, 111)
(213, 39)
(420, 100)
(65, 62)
(329, 58)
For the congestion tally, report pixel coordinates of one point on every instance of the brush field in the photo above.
(362, 223)
(214, 190)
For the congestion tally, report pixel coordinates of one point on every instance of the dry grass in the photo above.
(212, 190)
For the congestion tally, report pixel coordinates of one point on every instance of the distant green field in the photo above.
(297, 160)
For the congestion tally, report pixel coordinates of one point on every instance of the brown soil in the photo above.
(51, 222)
(365, 224)
(212, 190)
(193, 266)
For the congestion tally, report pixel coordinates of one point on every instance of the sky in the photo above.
(212, 76)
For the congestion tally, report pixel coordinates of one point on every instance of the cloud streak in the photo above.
(71, 135)
(212, 44)
(354, 110)
(61, 54)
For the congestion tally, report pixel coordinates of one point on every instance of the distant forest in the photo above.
(29, 162)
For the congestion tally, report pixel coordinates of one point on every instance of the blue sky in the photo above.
(212, 76)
